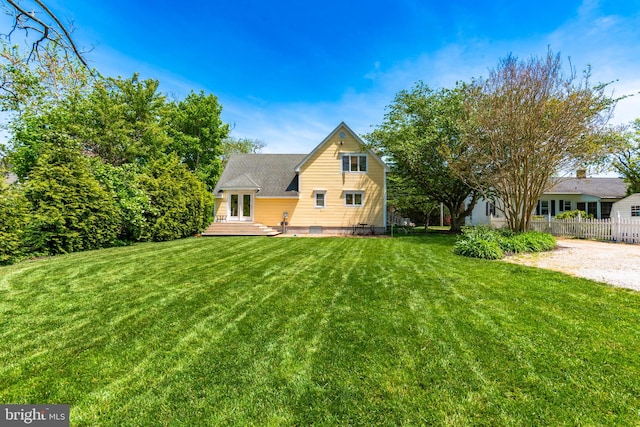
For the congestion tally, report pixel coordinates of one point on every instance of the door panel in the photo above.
(246, 206)
(233, 206)
(240, 207)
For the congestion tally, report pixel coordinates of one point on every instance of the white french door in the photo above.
(240, 207)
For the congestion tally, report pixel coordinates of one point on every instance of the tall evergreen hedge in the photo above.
(70, 210)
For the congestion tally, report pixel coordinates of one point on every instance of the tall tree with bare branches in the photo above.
(40, 63)
(525, 123)
(41, 28)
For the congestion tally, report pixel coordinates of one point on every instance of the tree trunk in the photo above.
(457, 221)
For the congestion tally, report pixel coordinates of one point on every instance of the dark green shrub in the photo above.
(512, 245)
(70, 210)
(14, 214)
(535, 241)
(479, 242)
(132, 200)
(478, 247)
(488, 243)
(180, 204)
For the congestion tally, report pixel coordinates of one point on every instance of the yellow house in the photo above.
(340, 187)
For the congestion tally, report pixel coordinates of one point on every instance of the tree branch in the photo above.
(56, 32)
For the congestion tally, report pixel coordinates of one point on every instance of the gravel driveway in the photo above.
(615, 263)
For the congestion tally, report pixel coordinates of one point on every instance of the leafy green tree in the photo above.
(70, 211)
(231, 145)
(122, 121)
(133, 202)
(408, 200)
(524, 124)
(198, 133)
(33, 93)
(418, 124)
(626, 158)
(181, 205)
(35, 86)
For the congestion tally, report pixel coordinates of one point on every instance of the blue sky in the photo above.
(287, 72)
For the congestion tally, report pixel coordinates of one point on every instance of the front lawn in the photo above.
(334, 331)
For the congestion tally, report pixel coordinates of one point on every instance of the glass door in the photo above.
(240, 207)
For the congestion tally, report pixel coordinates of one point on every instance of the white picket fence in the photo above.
(612, 229)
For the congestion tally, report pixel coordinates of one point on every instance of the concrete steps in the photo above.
(238, 229)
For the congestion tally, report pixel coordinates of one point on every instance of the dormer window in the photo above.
(354, 163)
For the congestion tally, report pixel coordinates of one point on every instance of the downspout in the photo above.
(384, 205)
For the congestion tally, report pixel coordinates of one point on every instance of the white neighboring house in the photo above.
(595, 196)
(629, 207)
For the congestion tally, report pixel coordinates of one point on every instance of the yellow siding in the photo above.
(269, 211)
(220, 207)
(323, 171)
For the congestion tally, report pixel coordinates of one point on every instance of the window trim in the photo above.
(324, 199)
(349, 162)
(353, 193)
(635, 211)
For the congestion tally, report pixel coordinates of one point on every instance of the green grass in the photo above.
(337, 331)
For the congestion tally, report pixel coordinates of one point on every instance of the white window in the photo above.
(565, 205)
(354, 163)
(320, 199)
(353, 198)
(635, 210)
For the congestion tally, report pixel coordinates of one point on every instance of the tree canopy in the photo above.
(626, 157)
(418, 124)
(100, 161)
(198, 135)
(525, 123)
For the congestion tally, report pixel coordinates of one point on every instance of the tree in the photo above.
(198, 133)
(527, 122)
(626, 159)
(70, 210)
(122, 121)
(14, 215)
(180, 204)
(231, 145)
(31, 91)
(408, 200)
(419, 123)
(132, 201)
(43, 29)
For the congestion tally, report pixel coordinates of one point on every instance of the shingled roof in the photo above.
(605, 188)
(272, 175)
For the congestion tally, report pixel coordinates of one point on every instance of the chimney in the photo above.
(581, 173)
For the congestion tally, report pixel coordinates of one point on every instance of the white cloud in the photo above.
(609, 44)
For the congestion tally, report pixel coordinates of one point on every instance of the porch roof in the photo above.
(272, 175)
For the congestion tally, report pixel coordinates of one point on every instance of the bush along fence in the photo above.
(625, 230)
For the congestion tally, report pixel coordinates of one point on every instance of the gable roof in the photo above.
(357, 138)
(272, 175)
(605, 188)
